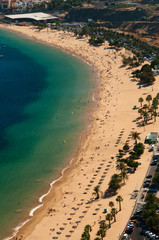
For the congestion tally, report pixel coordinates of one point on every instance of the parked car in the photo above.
(154, 162)
(131, 225)
(148, 180)
(129, 230)
(149, 176)
(147, 233)
(156, 156)
(125, 236)
(146, 184)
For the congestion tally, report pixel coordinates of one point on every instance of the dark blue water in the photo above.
(18, 87)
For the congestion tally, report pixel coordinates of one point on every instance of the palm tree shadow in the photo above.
(109, 194)
(122, 66)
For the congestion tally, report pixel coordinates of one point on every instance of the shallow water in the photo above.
(44, 98)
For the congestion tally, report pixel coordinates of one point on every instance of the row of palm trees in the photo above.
(117, 39)
(118, 179)
(126, 164)
(103, 226)
(148, 111)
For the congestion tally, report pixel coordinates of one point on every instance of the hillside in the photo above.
(115, 16)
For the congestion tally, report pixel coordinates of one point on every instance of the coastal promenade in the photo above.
(70, 205)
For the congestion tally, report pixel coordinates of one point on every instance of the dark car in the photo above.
(154, 162)
(148, 180)
(146, 184)
(149, 176)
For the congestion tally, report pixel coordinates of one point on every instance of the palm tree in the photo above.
(119, 199)
(155, 115)
(101, 232)
(88, 228)
(140, 111)
(83, 238)
(155, 102)
(96, 191)
(86, 235)
(157, 96)
(154, 107)
(111, 204)
(151, 111)
(148, 99)
(103, 225)
(109, 218)
(145, 107)
(143, 125)
(135, 136)
(114, 212)
(146, 115)
(126, 148)
(124, 176)
(121, 166)
(114, 183)
(141, 100)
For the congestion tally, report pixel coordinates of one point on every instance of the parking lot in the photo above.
(135, 229)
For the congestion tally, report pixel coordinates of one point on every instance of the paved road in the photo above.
(135, 235)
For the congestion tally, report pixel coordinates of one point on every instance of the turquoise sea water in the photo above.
(44, 96)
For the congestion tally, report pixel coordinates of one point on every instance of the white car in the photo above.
(125, 236)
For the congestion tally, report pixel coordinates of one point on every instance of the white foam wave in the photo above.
(31, 213)
(15, 230)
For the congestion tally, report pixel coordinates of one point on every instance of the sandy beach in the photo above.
(70, 205)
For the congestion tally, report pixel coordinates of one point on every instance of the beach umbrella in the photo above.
(68, 236)
(74, 226)
(77, 222)
(84, 211)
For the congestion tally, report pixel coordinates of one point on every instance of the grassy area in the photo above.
(120, 5)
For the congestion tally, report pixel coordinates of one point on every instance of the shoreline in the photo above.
(106, 92)
(81, 139)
